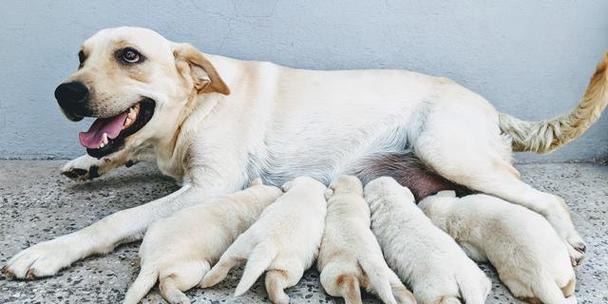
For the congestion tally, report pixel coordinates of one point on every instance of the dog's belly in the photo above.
(410, 172)
(405, 167)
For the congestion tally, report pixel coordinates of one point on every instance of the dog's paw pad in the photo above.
(81, 174)
(76, 173)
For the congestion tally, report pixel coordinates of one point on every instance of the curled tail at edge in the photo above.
(547, 135)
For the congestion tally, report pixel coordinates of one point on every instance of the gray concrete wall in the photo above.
(529, 58)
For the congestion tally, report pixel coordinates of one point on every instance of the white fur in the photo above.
(180, 249)
(284, 241)
(350, 255)
(525, 250)
(425, 257)
(279, 123)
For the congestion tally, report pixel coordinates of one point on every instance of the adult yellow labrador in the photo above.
(215, 123)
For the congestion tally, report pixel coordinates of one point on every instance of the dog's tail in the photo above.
(143, 283)
(548, 135)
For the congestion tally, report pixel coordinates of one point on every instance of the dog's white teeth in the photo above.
(131, 115)
(104, 140)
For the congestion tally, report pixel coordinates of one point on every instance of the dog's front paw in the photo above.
(41, 260)
(82, 168)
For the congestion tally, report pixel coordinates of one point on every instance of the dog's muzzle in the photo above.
(72, 98)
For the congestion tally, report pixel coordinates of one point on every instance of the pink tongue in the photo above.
(92, 138)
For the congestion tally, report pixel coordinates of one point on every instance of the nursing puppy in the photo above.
(284, 241)
(179, 250)
(428, 259)
(527, 253)
(350, 255)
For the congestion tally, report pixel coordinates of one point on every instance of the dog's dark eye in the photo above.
(129, 55)
(81, 58)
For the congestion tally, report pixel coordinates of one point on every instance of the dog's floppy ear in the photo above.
(193, 66)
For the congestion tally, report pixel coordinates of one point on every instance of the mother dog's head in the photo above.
(136, 83)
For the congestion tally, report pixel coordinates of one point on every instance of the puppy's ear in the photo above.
(195, 67)
(328, 193)
(256, 182)
(286, 186)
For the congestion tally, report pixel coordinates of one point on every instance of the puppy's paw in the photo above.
(449, 300)
(41, 260)
(82, 168)
(576, 249)
(576, 255)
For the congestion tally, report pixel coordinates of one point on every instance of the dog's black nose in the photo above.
(72, 96)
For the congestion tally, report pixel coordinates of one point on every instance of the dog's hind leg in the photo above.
(474, 154)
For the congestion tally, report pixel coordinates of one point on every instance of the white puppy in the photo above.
(424, 256)
(285, 241)
(350, 255)
(179, 250)
(527, 253)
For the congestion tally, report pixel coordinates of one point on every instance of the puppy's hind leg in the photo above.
(401, 293)
(170, 291)
(547, 290)
(276, 282)
(259, 260)
(237, 252)
(181, 277)
(379, 280)
(143, 283)
(285, 272)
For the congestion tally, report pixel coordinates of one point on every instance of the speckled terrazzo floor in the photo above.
(36, 203)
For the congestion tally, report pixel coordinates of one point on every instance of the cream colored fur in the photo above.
(525, 250)
(221, 122)
(548, 135)
(425, 257)
(284, 242)
(350, 256)
(179, 250)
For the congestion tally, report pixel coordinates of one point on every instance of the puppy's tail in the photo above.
(259, 260)
(547, 135)
(143, 283)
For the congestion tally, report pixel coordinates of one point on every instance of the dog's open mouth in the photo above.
(107, 135)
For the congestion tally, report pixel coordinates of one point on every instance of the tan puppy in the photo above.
(527, 253)
(179, 250)
(350, 255)
(284, 241)
(435, 267)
